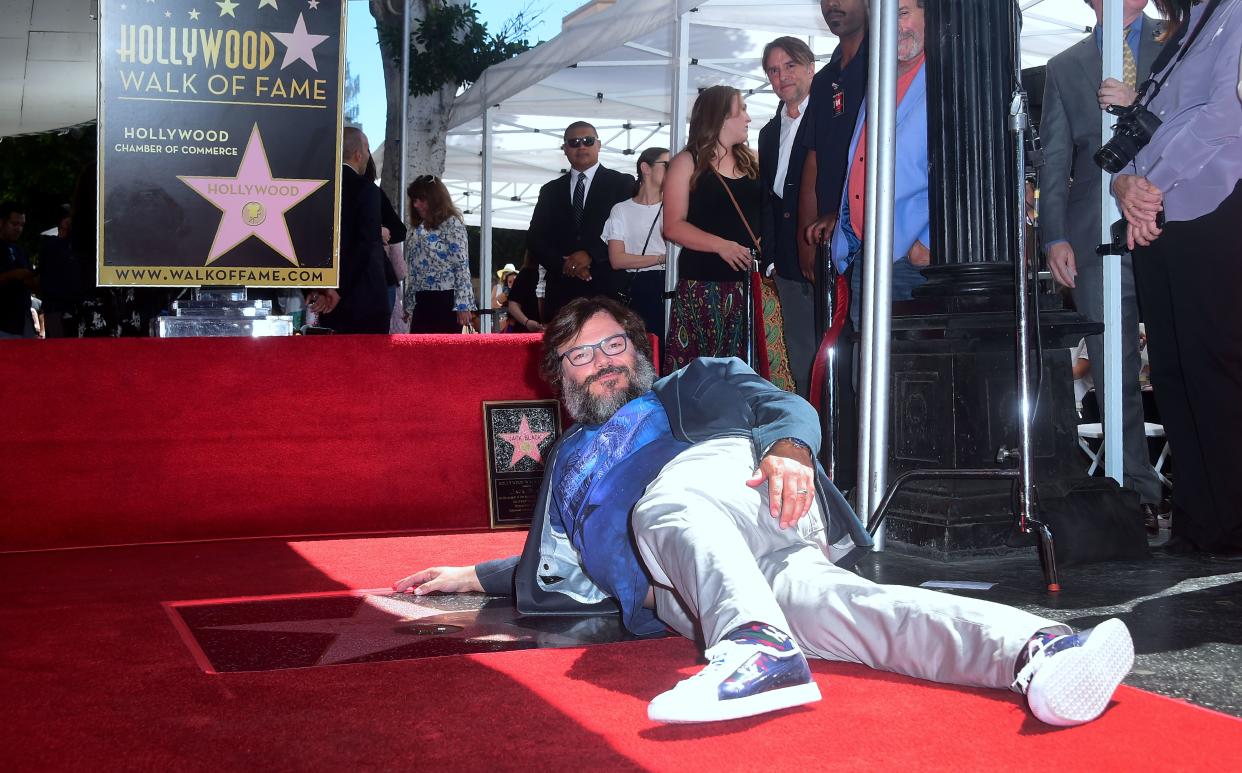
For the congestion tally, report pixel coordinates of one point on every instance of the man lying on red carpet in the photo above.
(745, 544)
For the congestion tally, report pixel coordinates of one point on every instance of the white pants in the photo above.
(719, 559)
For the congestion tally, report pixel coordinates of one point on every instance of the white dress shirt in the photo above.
(789, 130)
(586, 188)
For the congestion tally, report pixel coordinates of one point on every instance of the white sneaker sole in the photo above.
(669, 707)
(1075, 686)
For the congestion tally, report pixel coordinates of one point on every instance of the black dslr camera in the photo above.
(1117, 235)
(1135, 127)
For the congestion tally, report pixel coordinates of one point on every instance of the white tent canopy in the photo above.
(614, 63)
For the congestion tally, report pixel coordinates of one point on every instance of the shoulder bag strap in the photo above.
(651, 230)
(745, 222)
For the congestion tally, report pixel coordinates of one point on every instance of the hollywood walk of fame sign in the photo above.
(518, 434)
(220, 142)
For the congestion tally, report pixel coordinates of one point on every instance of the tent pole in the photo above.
(1114, 456)
(403, 157)
(878, 262)
(680, 109)
(486, 322)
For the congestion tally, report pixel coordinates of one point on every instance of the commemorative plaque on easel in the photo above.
(519, 434)
(219, 142)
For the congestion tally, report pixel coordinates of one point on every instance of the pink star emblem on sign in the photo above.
(253, 203)
(525, 442)
(299, 45)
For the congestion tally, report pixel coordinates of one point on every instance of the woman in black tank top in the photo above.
(716, 169)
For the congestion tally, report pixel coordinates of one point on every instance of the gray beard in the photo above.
(586, 408)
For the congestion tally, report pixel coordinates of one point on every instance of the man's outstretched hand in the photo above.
(445, 579)
(788, 471)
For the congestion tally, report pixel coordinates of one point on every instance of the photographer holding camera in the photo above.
(1178, 151)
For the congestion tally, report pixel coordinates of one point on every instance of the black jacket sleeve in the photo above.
(360, 229)
(496, 576)
(391, 220)
(541, 236)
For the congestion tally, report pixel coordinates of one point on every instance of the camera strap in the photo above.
(1178, 48)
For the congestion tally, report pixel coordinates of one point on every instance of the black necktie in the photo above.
(579, 196)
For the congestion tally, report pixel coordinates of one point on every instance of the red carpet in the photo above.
(94, 676)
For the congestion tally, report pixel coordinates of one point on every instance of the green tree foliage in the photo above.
(451, 45)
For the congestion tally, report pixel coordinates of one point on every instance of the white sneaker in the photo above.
(755, 669)
(1069, 680)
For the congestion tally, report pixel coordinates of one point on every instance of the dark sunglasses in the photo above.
(577, 142)
(425, 178)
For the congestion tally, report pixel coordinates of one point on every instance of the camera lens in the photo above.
(1107, 159)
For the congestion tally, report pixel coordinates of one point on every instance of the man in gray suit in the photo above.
(1070, 212)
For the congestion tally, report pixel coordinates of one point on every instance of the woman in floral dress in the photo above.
(439, 296)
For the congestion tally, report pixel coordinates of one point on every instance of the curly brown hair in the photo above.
(439, 202)
(714, 105)
(569, 321)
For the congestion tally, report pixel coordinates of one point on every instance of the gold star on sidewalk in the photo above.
(271, 3)
(226, 7)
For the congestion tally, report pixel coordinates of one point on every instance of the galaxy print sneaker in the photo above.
(1069, 679)
(755, 669)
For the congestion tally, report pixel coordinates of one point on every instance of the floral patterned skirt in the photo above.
(708, 319)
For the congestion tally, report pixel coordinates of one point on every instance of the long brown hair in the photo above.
(439, 203)
(569, 321)
(711, 109)
(1175, 13)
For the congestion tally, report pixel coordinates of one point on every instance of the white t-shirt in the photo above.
(629, 223)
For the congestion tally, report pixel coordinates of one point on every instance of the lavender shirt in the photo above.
(1195, 157)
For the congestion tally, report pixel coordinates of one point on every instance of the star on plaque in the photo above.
(253, 203)
(226, 8)
(269, 3)
(525, 442)
(299, 44)
(193, 14)
(314, 4)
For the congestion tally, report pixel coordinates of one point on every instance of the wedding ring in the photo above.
(801, 491)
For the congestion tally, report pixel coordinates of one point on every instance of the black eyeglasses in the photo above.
(656, 163)
(585, 354)
(577, 142)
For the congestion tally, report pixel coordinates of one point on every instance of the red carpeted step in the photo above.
(126, 441)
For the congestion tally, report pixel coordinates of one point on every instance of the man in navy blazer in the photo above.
(695, 502)
(564, 233)
(790, 66)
